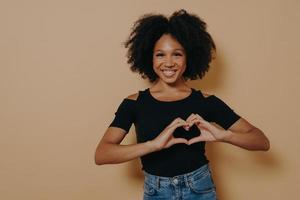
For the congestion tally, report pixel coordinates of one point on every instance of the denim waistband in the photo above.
(196, 174)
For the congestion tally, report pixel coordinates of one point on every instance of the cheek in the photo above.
(156, 60)
(181, 60)
(182, 63)
(156, 64)
(183, 66)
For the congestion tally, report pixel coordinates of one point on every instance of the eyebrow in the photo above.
(174, 50)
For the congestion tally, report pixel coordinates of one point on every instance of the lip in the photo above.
(169, 73)
(175, 70)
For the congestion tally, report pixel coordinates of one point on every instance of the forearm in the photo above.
(251, 140)
(116, 153)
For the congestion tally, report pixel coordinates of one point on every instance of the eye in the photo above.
(159, 54)
(178, 54)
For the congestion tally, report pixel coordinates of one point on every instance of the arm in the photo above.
(247, 136)
(109, 150)
(241, 134)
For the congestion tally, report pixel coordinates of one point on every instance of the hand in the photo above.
(209, 132)
(166, 139)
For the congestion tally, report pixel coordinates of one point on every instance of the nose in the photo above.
(169, 62)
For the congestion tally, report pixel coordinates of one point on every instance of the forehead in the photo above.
(167, 43)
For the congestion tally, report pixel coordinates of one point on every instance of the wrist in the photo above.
(151, 146)
(227, 136)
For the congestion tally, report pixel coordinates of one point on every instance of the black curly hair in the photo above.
(188, 29)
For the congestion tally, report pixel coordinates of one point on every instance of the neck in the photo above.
(163, 86)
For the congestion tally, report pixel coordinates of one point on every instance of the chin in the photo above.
(169, 80)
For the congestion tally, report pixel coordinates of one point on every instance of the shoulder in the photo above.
(206, 95)
(133, 96)
(211, 99)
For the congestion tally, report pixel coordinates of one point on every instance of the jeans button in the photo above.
(175, 181)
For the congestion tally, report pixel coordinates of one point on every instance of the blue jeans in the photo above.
(196, 185)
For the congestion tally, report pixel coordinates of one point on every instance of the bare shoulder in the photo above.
(206, 95)
(133, 96)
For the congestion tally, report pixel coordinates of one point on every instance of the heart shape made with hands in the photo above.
(199, 130)
(188, 133)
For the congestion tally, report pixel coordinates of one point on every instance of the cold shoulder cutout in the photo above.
(206, 95)
(133, 96)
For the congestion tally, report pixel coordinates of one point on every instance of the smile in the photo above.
(168, 72)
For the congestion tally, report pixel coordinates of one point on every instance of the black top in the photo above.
(151, 116)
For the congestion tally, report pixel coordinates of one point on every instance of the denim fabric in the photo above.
(196, 185)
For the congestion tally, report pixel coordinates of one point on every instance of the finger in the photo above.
(175, 121)
(202, 123)
(178, 123)
(190, 117)
(176, 141)
(195, 121)
(204, 126)
(196, 139)
(190, 121)
(199, 117)
(186, 126)
(179, 140)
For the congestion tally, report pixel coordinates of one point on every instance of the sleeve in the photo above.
(221, 113)
(125, 115)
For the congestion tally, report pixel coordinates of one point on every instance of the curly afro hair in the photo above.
(188, 29)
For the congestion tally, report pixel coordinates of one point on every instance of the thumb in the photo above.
(196, 139)
(177, 141)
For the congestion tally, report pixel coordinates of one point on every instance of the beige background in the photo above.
(63, 73)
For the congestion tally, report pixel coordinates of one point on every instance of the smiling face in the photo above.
(169, 59)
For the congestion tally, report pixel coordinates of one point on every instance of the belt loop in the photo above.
(157, 182)
(186, 178)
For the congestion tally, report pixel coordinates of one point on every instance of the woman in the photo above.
(172, 120)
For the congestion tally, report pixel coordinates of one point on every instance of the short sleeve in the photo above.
(125, 115)
(221, 113)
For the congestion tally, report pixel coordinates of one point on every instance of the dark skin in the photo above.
(169, 63)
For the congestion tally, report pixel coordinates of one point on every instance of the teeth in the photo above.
(169, 73)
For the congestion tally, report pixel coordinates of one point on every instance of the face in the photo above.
(169, 59)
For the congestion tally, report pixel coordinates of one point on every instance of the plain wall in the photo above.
(63, 72)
